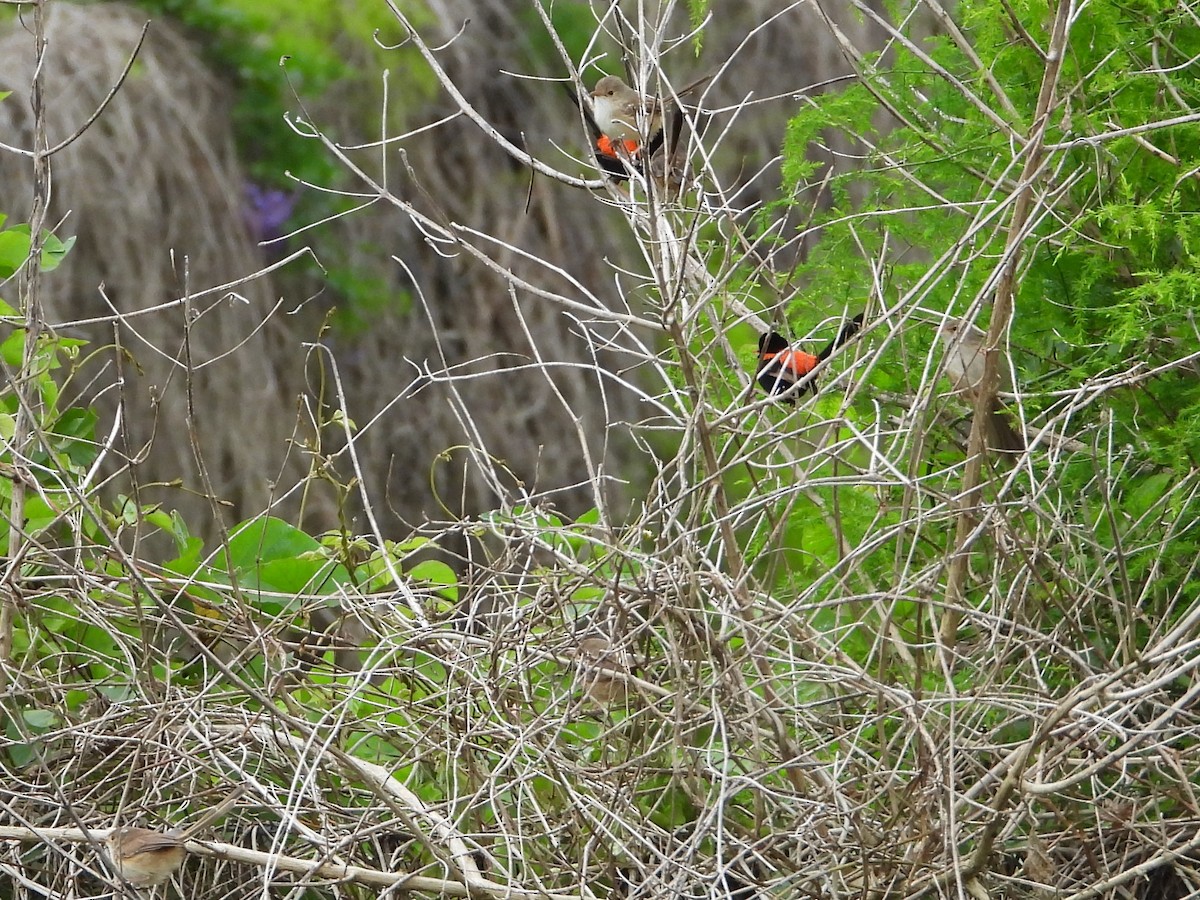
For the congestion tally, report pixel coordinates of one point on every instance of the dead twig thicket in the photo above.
(912, 790)
(152, 182)
(826, 653)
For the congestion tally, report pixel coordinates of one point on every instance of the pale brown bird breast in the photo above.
(143, 857)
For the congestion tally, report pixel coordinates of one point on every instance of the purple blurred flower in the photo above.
(266, 211)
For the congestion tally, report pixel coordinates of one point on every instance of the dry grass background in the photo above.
(156, 180)
(807, 765)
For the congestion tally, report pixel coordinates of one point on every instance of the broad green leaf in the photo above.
(54, 251)
(269, 555)
(39, 719)
(437, 573)
(16, 242)
(14, 250)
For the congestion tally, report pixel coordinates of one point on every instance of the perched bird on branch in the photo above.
(964, 365)
(780, 367)
(625, 149)
(628, 133)
(145, 857)
(601, 667)
(622, 114)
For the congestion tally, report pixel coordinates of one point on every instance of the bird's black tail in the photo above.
(849, 330)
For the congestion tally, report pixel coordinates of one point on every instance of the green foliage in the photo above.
(574, 24)
(697, 11)
(775, 591)
(279, 56)
(17, 241)
(286, 62)
(368, 299)
(1111, 277)
(66, 447)
(274, 559)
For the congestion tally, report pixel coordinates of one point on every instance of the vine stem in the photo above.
(26, 384)
(967, 869)
(1002, 310)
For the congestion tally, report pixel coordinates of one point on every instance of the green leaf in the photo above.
(75, 433)
(437, 573)
(264, 539)
(188, 560)
(55, 251)
(15, 244)
(269, 555)
(158, 517)
(1149, 492)
(38, 516)
(14, 250)
(40, 719)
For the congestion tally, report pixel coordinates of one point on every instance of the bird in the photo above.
(143, 857)
(617, 115)
(601, 667)
(964, 365)
(146, 858)
(622, 114)
(617, 156)
(780, 366)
